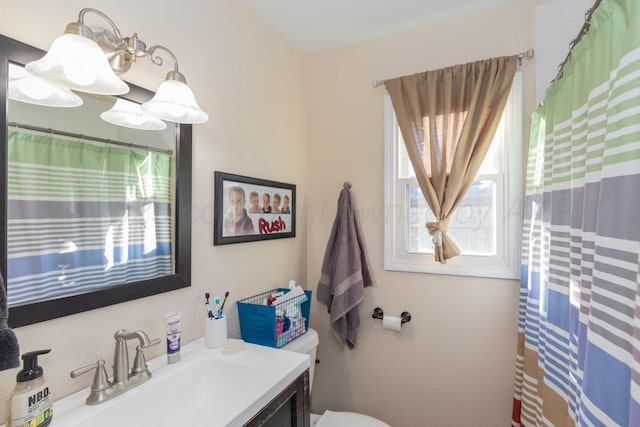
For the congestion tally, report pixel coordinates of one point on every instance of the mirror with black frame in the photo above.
(92, 214)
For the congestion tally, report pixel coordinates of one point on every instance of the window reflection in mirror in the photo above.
(95, 213)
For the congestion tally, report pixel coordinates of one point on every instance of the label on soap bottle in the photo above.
(33, 410)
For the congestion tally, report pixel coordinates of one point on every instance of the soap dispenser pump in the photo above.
(30, 403)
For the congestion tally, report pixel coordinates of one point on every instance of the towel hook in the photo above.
(347, 184)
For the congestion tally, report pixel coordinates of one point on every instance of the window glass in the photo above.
(472, 226)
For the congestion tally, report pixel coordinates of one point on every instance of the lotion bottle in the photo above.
(30, 403)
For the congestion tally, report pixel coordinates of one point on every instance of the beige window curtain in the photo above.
(448, 118)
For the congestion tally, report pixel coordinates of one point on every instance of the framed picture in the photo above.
(249, 209)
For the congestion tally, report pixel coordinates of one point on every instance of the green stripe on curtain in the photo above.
(53, 170)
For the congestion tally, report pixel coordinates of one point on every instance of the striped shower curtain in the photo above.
(83, 216)
(578, 361)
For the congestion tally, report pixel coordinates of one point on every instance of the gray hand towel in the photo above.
(345, 272)
(9, 351)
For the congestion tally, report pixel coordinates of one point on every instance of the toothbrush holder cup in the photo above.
(215, 333)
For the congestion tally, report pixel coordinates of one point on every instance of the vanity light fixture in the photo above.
(173, 101)
(88, 62)
(24, 87)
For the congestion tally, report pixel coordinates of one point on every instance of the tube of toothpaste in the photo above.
(173, 336)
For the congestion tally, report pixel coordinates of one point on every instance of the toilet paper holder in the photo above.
(405, 316)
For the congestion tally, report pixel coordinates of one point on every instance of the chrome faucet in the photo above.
(124, 379)
(121, 374)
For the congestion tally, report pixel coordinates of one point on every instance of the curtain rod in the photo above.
(584, 30)
(89, 138)
(527, 54)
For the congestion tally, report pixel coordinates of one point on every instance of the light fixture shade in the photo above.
(24, 87)
(174, 102)
(78, 63)
(129, 114)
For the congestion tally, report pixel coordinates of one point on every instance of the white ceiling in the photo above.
(317, 25)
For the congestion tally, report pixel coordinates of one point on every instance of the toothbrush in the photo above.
(210, 314)
(216, 301)
(226, 294)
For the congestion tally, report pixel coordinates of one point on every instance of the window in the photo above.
(486, 226)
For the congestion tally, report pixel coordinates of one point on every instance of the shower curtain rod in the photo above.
(89, 138)
(585, 28)
(527, 54)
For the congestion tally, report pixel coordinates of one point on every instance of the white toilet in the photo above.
(308, 344)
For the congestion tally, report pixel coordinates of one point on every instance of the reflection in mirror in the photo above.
(27, 88)
(96, 213)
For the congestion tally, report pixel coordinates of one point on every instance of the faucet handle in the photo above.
(152, 343)
(140, 363)
(100, 380)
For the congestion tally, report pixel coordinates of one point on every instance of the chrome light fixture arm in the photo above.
(157, 60)
(116, 31)
(120, 51)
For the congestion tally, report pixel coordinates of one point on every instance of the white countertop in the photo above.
(206, 388)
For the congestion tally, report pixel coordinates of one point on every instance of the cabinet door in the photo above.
(291, 407)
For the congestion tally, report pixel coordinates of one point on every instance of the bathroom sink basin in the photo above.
(206, 388)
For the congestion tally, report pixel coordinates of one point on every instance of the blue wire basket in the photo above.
(273, 325)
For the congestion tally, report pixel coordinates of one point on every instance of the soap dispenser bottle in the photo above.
(30, 402)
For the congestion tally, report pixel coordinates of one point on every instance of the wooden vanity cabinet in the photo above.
(291, 408)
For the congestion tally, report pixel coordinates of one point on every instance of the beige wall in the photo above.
(453, 364)
(249, 80)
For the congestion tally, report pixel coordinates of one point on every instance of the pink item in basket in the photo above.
(279, 326)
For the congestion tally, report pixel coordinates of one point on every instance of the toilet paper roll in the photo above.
(393, 323)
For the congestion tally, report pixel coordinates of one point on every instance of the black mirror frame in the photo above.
(29, 313)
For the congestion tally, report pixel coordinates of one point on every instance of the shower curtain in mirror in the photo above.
(83, 216)
(578, 361)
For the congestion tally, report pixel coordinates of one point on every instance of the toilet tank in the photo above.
(306, 343)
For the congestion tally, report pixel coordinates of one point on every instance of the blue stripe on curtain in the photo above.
(83, 217)
(614, 399)
(39, 265)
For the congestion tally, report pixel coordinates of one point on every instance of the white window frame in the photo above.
(506, 262)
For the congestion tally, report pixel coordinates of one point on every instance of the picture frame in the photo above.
(250, 209)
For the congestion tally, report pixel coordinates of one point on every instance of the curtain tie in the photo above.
(436, 229)
(438, 232)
